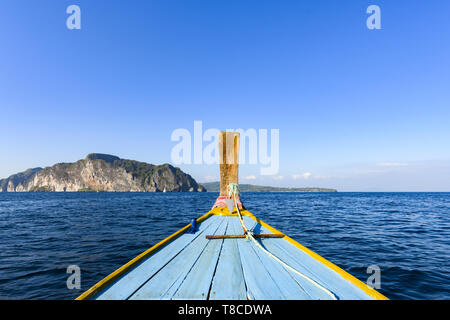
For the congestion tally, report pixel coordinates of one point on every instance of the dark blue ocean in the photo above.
(406, 234)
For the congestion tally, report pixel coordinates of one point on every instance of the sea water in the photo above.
(407, 235)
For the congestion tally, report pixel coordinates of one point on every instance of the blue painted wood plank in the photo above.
(190, 265)
(287, 284)
(260, 285)
(312, 268)
(313, 292)
(228, 282)
(197, 282)
(136, 277)
(309, 291)
(177, 269)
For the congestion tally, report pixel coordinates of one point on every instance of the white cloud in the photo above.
(278, 178)
(250, 178)
(305, 176)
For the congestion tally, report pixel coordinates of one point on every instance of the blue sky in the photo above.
(357, 109)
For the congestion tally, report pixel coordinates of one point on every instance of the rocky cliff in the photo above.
(101, 172)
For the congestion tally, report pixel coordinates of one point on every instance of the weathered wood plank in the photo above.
(176, 270)
(287, 284)
(228, 282)
(312, 268)
(243, 236)
(229, 160)
(131, 281)
(198, 281)
(260, 285)
(320, 273)
(191, 267)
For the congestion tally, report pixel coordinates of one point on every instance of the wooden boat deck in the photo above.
(193, 267)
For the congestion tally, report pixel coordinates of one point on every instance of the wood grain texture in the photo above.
(229, 282)
(193, 267)
(198, 281)
(243, 236)
(165, 283)
(312, 268)
(260, 284)
(229, 160)
(126, 285)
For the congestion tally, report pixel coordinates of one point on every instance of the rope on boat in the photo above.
(233, 190)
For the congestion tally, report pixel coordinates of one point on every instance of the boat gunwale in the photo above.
(347, 276)
(99, 286)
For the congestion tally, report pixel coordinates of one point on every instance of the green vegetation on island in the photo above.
(89, 190)
(40, 189)
(102, 173)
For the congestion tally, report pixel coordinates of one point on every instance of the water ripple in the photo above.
(406, 234)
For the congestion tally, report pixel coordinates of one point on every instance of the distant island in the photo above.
(214, 187)
(102, 173)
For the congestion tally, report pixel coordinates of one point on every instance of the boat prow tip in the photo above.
(227, 203)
